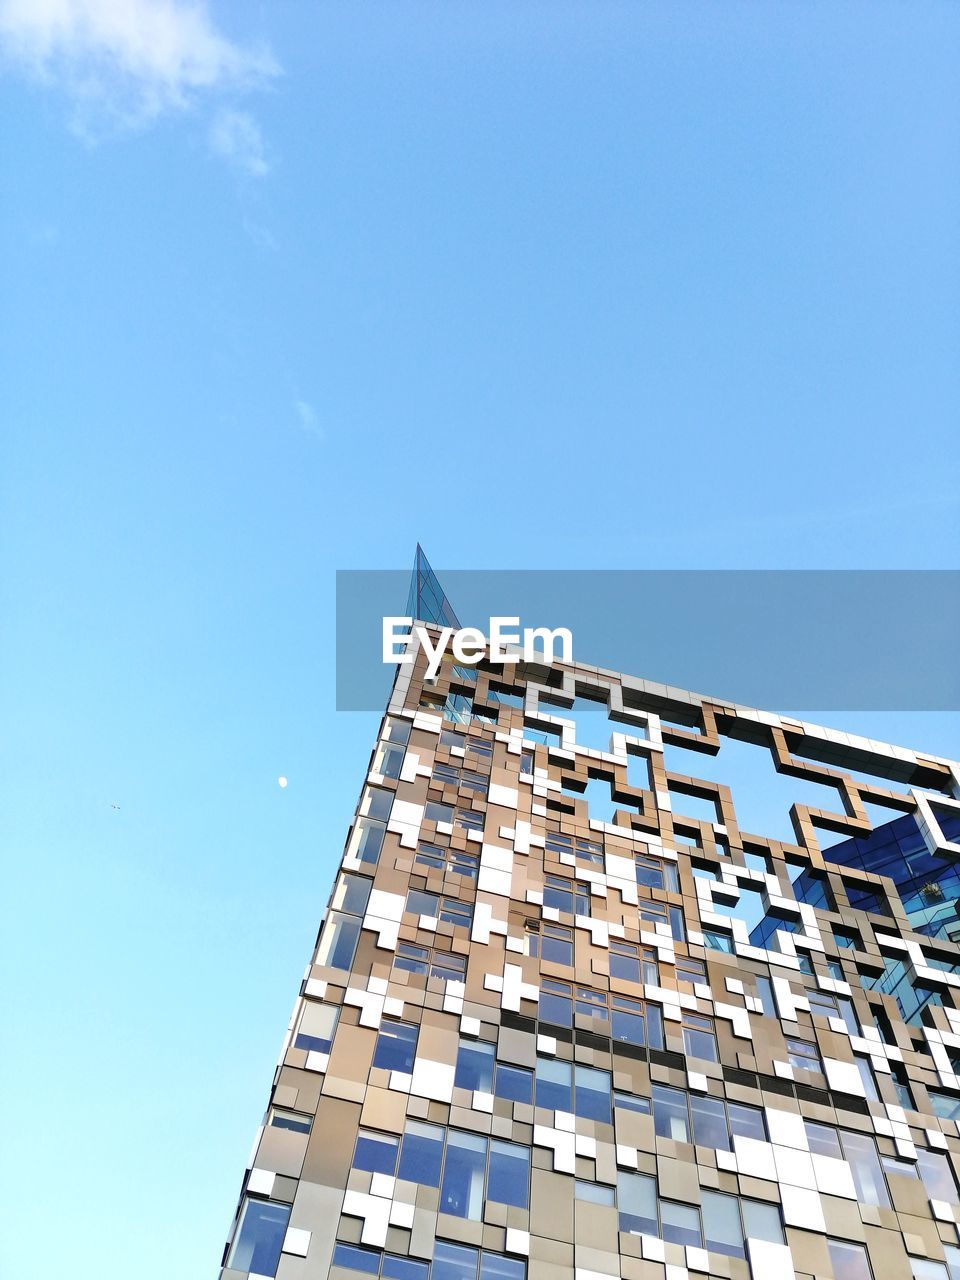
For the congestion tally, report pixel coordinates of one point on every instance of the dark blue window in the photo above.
(508, 1181)
(421, 1154)
(379, 802)
(263, 1224)
(338, 942)
(356, 1259)
(514, 1083)
(637, 1023)
(396, 1047)
(554, 1085)
(376, 1153)
(475, 1067)
(592, 1093)
(461, 1193)
(556, 1005)
(397, 1268)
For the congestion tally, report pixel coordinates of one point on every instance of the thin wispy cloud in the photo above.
(307, 417)
(261, 236)
(235, 136)
(124, 63)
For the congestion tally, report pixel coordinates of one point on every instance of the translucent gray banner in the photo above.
(850, 640)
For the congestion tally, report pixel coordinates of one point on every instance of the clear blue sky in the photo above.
(541, 285)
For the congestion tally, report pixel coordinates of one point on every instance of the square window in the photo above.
(761, 1221)
(421, 1154)
(634, 1022)
(592, 1094)
(470, 819)
(630, 1102)
(823, 1140)
(556, 1003)
(637, 1202)
(448, 967)
(594, 1193)
(454, 1262)
(318, 1022)
(396, 731)
(338, 941)
(432, 855)
(699, 1038)
(670, 1113)
(354, 1258)
(475, 1062)
(388, 760)
(463, 864)
(396, 1046)
(823, 1005)
(376, 1152)
(411, 958)
(297, 1121)
(558, 894)
(554, 1085)
(494, 1266)
(625, 961)
(398, 1268)
(718, 940)
(721, 1223)
(513, 1083)
(680, 1224)
(377, 803)
(746, 1122)
(367, 840)
(927, 1269)
(945, 1105)
(455, 912)
(936, 1176)
(846, 938)
(419, 903)
(592, 1004)
(849, 1260)
(803, 1055)
(710, 1127)
(351, 894)
(259, 1238)
(556, 945)
(690, 970)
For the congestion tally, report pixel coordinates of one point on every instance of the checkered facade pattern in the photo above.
(536, 1044)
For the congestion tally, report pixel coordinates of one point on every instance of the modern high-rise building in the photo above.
(534, 1043)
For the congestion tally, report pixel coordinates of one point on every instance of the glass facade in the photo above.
(536, 1040)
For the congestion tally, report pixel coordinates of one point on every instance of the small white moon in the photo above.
(281, 781)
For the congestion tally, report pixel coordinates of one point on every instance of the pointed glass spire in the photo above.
(426, 601)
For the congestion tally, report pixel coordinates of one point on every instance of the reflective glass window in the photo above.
(259, 1238)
